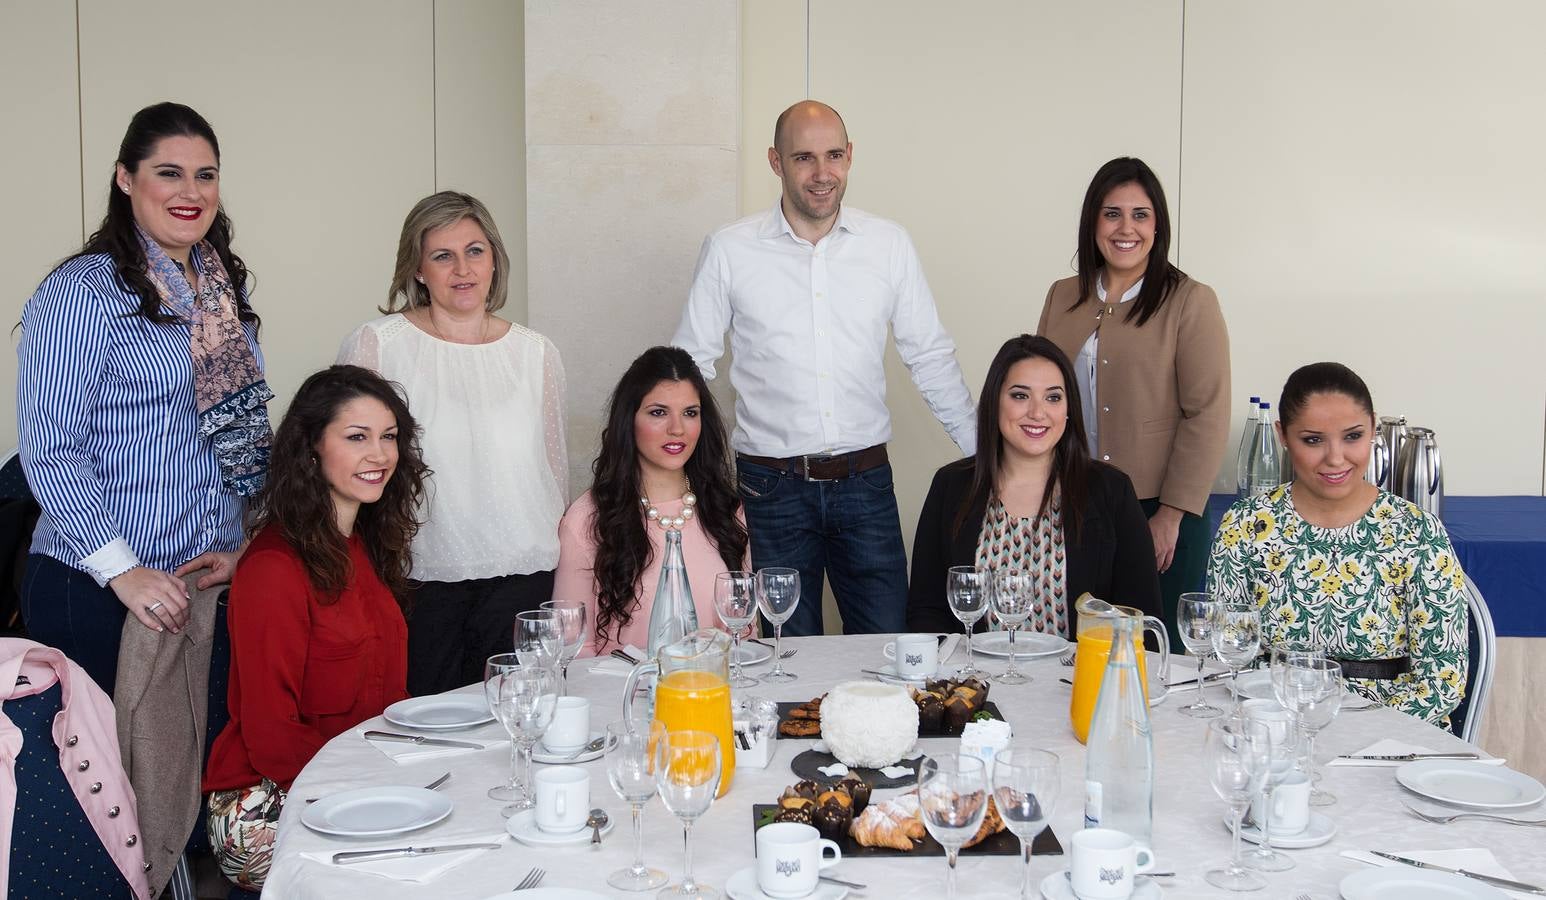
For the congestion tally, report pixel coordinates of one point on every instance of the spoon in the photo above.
(597, 821)
(591, 747)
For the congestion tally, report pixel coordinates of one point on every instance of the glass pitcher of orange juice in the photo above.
(1094, 634)
(692, 691)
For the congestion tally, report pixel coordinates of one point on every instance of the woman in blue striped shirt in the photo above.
(142, 407)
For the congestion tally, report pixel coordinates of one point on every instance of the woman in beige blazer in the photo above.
(1151, 355)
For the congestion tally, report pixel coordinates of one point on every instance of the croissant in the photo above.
(873, 828)
(992, 823)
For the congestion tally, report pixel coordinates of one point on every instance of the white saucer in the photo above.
(743, 886)
(1320, 830)
(1057, 887)
(1028, 644)
(541, 754)
(1404, 882)
(753, 654)
(523, 827)
(1470, 783)
(376, 811)
(1255, 684)
(440, 712)
(888, 674)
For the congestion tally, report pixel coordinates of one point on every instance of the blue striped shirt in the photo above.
(109, 430)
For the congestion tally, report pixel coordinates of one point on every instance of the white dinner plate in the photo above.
(523, 827)
(376, 811)
(1406, 883)
(442, 712)
(743, 886)
(1057, 887)
(1470, 783)
(1255, 684)
(751, 654)
(1320, 830)
(543, 893)
(541, 754)
(1028, 644)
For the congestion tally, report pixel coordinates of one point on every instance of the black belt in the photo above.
(823, 468)
(1376, 669)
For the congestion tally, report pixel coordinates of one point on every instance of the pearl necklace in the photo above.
(672, 523)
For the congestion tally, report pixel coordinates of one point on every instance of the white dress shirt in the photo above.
(1084, 367)
(808, 333)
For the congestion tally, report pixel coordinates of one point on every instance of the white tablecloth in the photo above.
(1189, 836)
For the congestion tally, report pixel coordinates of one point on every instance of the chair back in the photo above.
(1482, 646)
(18, 515)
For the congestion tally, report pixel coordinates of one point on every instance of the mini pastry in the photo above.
(931, 713)
(859, 790)
(835, 797)
(832, 820)
(800, 816)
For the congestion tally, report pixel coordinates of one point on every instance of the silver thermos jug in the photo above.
(1385, 453)
(1419, 473)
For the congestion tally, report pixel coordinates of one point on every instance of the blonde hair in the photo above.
(441, 211)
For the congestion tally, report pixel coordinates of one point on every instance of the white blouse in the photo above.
(500, 483)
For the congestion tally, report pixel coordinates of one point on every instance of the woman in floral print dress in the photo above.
(1335, 563)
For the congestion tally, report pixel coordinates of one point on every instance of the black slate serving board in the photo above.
(1002, 844)
(807, 765)
(990, 708)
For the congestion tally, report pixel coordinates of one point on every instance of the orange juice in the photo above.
(1090, 669)
(696, 700)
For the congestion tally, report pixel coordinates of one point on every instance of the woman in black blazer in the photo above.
(1032, 499)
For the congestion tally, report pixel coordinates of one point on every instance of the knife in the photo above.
(357, 856)
(1206, 679)
(847, 884)
(1409, 757)
(419, 739)
(1489, 879)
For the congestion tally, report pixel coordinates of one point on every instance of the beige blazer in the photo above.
(1164, 388)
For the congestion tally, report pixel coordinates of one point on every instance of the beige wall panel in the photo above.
(772, 79)
(1360, 183)
(480, 119)
(42, 153)
(614, 234)
(325, 118)
(659, 72)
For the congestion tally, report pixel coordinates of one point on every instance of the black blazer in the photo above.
(1112, 556)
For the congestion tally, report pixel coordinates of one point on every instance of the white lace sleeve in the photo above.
(362, 348)
(553, 424)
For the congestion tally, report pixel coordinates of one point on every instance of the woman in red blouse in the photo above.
(318, 642)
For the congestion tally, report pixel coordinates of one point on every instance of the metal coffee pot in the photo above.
(1419, 473)
(1386, 452)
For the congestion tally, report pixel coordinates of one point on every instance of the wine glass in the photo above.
(1012, 601)
(631, 757)
(1194, 620)
(967, 590)
(1236, 638)
(778, 593)
(494, 669)
(1025, 787)
(524, 702)
(952, 798)
(735, 599)
(1277, 667)
(538, 638)
(573, 628)
(1314, 689)
(1282, 747)
(1235, 753)
(687, 776)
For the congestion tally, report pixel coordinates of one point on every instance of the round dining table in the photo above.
(1190, 832)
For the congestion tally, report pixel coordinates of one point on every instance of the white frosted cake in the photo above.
(866, 723)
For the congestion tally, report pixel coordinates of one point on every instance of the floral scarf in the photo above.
(228, 387)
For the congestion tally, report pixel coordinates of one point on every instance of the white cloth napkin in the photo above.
(1389, 747)
(611, 665)
(418, 869)
(1479, 860)
(404, 753)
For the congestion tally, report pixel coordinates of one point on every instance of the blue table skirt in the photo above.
(1501, 544)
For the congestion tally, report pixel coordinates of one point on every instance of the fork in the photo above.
(1445, 820)
(785, 654)
(532, 879)
(1067, 659)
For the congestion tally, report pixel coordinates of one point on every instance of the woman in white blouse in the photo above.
(490, 397)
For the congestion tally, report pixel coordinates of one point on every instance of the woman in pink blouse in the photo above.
(664, 439)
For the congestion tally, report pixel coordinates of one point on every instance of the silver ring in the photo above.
(154, 606)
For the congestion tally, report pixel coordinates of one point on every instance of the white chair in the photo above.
(1482, 642)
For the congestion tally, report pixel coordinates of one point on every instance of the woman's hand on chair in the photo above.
(157, 599)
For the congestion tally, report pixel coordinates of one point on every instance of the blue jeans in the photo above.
(848, 529)
(63, 608)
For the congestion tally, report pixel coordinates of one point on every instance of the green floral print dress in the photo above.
(1387, 585)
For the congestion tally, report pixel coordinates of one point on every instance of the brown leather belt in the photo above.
(823, 468)
(1377, 669)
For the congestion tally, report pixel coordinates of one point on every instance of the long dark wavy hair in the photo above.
(297, 498)
(116, 235)
(1159, 276)
(623, 548)
(1070, 458)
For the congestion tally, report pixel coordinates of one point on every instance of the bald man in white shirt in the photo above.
(807, 290)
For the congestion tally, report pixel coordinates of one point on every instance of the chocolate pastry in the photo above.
(859, 790)
(832, 821)
(931, 713)
(801, 816)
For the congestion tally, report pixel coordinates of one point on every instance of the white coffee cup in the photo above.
(1103, 862)
(1290, 806)
(790, 857)
(562, 796)
(914, 655)
(570, 728)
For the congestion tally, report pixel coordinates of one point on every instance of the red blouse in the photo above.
(302, 672)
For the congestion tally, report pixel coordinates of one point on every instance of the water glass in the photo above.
(1282, 748)
(952, 797)
(1314, 691)
(631, 757)
(524, 700)
(1194, 622)
(539, 639)
(1012, 601)
(573, 629)
(735, 600)
(967, 590)
(778, 593)
(1025, 788)
(493, 669)
(1235, 753)
(687, 770)
(1236, 638)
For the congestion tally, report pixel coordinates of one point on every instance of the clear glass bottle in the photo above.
(1119, 754)
(673, 615)
(1247, 447)
(1266, 458)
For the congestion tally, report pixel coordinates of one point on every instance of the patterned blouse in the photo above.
(1387, 585)
(1033, 545)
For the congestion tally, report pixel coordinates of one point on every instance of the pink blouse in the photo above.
(575, 578)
